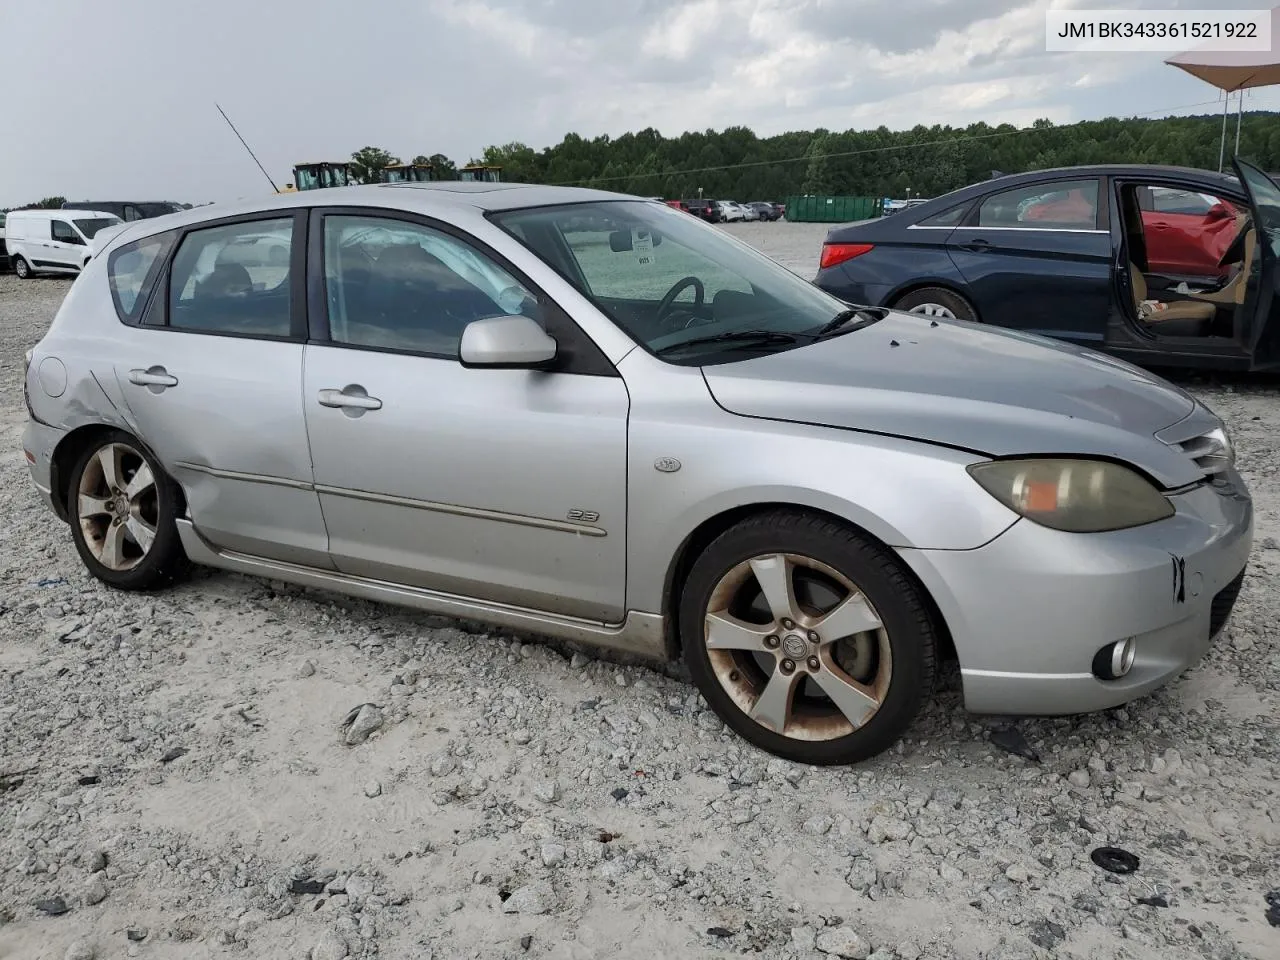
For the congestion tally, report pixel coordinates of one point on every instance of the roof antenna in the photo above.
(246, 146)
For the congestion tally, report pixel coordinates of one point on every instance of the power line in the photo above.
(868, 150)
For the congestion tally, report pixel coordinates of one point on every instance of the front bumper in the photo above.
(38, 442)
(1029, 610)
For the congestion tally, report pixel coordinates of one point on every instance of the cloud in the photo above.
(133, 114)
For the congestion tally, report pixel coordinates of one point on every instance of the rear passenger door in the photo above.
(1039, 258)
(211, 370)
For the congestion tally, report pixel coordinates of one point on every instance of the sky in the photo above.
(115, 100)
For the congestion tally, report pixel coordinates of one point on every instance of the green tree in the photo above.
(446, 169)
(367, 164)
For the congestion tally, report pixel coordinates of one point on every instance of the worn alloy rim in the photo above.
(934, 310)
(798, 647)
(118, 507)
(20, 268)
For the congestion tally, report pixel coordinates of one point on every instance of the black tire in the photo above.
(960, 308)
(165, 561)
(882, 579)
(22, 269)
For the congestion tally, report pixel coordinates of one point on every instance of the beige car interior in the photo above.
(1191, 310)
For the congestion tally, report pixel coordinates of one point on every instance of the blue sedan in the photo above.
(1088, 255)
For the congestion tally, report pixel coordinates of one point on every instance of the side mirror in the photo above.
(506, 342)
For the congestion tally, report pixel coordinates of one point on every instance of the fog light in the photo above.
(1115, 659)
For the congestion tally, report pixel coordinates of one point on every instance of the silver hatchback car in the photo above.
(592, 416)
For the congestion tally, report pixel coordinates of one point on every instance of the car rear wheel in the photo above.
(936, 302)
(21, 268)
(122, 507)
(806, 638)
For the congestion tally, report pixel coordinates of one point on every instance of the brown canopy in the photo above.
(1233, 70)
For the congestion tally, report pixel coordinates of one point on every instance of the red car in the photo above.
(1186, 233)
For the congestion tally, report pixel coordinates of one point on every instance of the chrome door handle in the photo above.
(352, 396)
(152, 377)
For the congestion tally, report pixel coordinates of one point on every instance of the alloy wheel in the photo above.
(118, 506)
(797, 647)
(21, 269)
(933, 310)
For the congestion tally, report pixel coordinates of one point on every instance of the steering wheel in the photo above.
(668, 313)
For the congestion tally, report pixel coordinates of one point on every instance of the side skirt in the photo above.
(641, 634)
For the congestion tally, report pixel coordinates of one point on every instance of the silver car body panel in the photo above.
(559, 503)
(472, 503)
(998, 392)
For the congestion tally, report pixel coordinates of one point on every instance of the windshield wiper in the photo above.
(841, 321)
(740, 338)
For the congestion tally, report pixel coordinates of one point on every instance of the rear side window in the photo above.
(234, 279)
(1065, 205)
(950, 217)
(132, 270)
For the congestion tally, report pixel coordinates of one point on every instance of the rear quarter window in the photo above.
(132, 269)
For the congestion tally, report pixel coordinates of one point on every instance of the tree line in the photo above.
(735, 163)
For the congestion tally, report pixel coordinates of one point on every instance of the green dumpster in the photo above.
(811, 209)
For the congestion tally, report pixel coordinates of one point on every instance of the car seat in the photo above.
(1180, 318)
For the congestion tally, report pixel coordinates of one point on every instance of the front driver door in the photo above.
(502, 485)
(1264, 203)
(67, 248)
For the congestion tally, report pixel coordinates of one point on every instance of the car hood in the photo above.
(995, 392)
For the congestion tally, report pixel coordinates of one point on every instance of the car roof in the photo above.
(61, 212)
(412, 197)
(1225, 181)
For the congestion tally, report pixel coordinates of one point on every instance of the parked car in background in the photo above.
(708, 210)
(730, 212)
(52, 241)
(4, 253)
(1072, 254)
(678, 204)
(810, 504)
(127, 209)
(765, 210)
(748, 212)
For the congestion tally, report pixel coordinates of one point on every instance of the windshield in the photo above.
(91, 226)
(665, 277)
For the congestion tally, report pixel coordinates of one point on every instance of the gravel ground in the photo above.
(178, 779)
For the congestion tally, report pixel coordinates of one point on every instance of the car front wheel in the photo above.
(21, 268)
(806, 638)
(122, 507)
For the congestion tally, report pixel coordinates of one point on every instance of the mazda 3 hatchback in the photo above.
(591, 416)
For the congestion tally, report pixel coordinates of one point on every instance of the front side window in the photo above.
(1069, 205)
(666, 278)
(395, 285)
(61, 230)
(1266, 200)
(234, 279)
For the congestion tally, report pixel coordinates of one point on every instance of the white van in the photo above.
(52, 241)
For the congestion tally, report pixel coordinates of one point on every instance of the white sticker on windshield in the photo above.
(642, 244)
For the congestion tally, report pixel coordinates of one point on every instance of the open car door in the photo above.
(1263, 338)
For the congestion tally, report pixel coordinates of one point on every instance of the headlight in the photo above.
(1079, 496)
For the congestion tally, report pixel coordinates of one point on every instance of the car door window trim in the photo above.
(583, 356)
